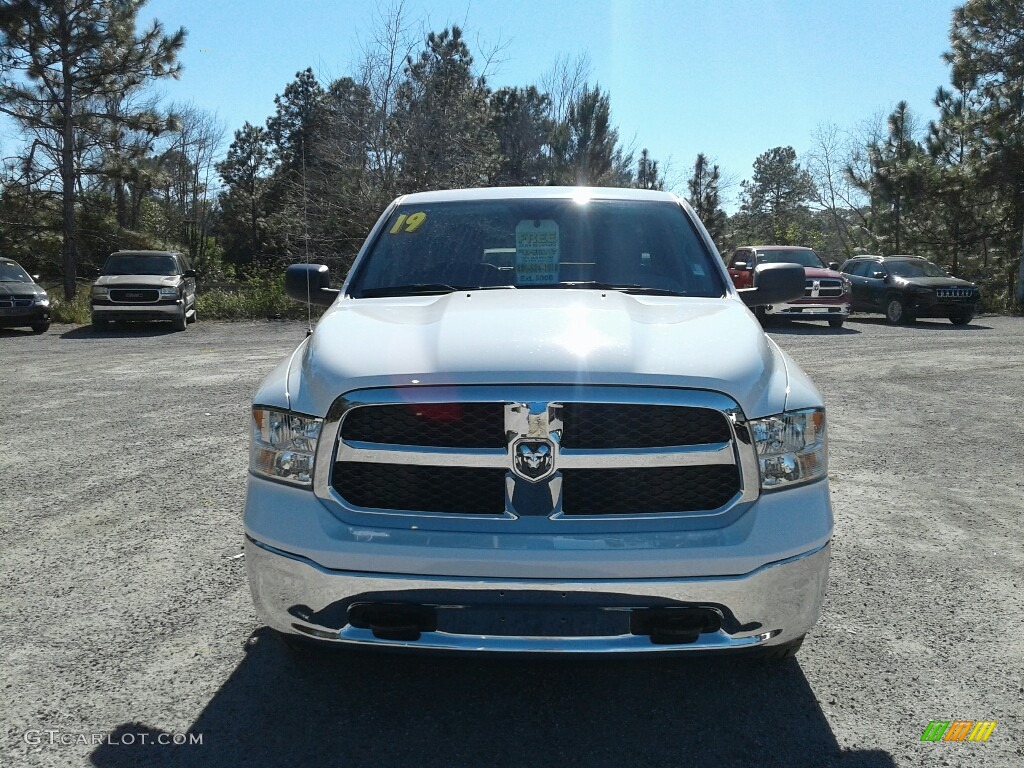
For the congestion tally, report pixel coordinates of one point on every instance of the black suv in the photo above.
(904, 288)
(22, 301)
(145, 285)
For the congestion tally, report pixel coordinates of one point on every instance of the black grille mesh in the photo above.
(612, 425)
(648, 489)
(437, 425)
(459, 490)
(134, 294)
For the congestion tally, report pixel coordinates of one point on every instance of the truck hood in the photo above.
(819, 272)
(539, 336)
(20, 289)
(154, 281)
(934, 282)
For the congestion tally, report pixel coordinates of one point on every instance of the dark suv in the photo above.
(145, 285)
(904, 288)
(22, 301)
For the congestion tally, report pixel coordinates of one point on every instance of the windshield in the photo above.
(140, 264)
(643, 246)
(805, 257)
(915, 268)
(13, 273)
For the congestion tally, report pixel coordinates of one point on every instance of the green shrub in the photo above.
(77, 310)
(258, 297)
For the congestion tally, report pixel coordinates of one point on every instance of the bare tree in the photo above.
(188, 157)
(827, 161)
(391, 42)
(565, 83)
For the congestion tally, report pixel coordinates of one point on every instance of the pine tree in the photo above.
(521, 121)
(896, 180)
(245, 171)
(58, 60)
(775, 199)
(586, 146)
(705, 196)
(988, 57)
(442, 117)
(647, 174)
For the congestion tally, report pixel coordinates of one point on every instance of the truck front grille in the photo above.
(533, 451)
(437, 425)
(648, 489)
(828, 288)
(134, 295)
(621, 425)
(456, 490)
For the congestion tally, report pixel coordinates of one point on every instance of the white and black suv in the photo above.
(145, 285)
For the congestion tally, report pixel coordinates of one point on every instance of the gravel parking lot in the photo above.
(125, 619)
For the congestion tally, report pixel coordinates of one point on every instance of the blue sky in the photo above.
(730, 78)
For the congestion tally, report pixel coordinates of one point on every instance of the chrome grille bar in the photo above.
(333, 451)
(569, 458)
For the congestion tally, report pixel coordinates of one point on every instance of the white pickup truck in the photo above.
(539, 420)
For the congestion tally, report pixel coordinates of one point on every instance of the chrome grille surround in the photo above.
(954, 293)
(823, 287)
(533, 414)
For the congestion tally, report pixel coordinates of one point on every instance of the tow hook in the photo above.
(674, 625)
(394, 621)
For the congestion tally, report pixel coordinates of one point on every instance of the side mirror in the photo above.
(776, 283)
(310, 283)
(36, 278)
(834, 266)
(878, 275)
(740, 265)
(190, 273)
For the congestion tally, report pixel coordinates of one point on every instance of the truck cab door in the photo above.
(741, 268)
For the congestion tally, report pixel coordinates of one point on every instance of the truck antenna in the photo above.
(305, 240)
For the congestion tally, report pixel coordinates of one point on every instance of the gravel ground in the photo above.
(125, 619)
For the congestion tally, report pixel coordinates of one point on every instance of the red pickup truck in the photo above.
(826, 297)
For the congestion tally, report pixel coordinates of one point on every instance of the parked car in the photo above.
(826, 297)
(145, 285)
(536, 420)
(23, 302)
(904, 288)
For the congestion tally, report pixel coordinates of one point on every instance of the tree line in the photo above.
(99, 164)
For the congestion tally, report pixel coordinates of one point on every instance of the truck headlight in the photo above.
(283, 445)
(168, 293)
(792, 447)
(100, 292)
(41, 300)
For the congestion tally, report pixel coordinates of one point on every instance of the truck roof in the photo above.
(534, 193)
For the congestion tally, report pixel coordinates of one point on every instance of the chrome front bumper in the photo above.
(774, 604)
(810, 310)
(137, 311)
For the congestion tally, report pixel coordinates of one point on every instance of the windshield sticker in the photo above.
(409, 223)
(537, 251)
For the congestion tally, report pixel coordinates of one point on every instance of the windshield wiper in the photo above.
(426, 289)
(416, 289)
(593, 285)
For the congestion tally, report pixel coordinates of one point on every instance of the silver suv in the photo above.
(145, 285)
